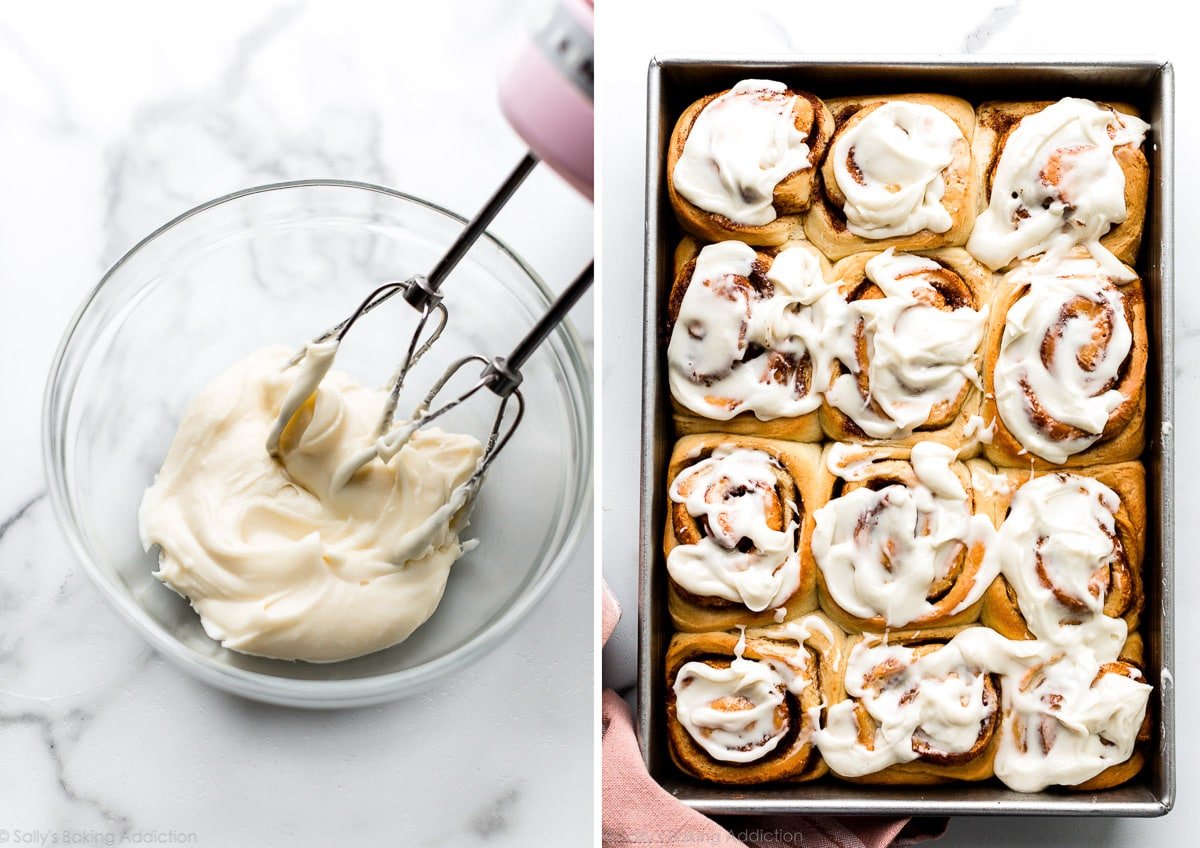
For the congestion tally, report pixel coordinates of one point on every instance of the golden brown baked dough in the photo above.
(816, 659)
(801, 428)
(1121, 582)
(996, 120)
(1124, 435)
(892, 467)
(825, 223)
(792, 195)
(802, 487)
(962, 281)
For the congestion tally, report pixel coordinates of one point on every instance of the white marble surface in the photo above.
(630, 34)
(115, 117)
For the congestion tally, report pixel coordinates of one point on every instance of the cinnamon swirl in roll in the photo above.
(1055, 175)
(739, 527)
(898, 174)
(745, 329)
(906, 357)
(741, 163)
(1065, 366)
(920, 710)
(741, 707)
(901, 543)
(1069, 549)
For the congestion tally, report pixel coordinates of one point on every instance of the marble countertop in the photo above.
(117, 117)
(630, 34)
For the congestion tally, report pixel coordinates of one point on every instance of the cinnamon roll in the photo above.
(1069, 548)
(741, 707)
(901, 543)
(1070, 723)
(738, 535)
(745, 329)
(905, 367)
(919, 711)
(1065, 366)
(1054, 175)
(898, 174)
(741, 163)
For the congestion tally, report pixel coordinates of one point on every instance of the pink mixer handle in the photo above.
(546, 92)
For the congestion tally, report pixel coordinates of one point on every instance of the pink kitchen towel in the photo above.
(638, 812)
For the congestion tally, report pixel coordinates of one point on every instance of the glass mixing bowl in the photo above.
(277, 265)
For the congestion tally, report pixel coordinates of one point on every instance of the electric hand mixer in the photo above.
(546, 94)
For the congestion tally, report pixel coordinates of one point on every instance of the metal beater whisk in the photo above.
(500, 374)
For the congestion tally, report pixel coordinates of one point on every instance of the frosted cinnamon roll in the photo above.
(923, 711)
(901, 543)
(738, 530)
(1055, 175)
(745, 331)
(1068, 722)
(740, 163)
(898, 174)
(1065, 366)
(906, 354)
(1070, 549)
(741, 707)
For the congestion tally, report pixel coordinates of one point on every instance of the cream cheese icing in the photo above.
(1066, 390)
(276, 559)
(1064, 526)
(919, 356)
(715, 567)
(1057, 184)
(722, 357)
(899, 152)
(741, 145)
(751, 692)
(938, 696)
(1069, 709)
(910, 539)
(741, 735)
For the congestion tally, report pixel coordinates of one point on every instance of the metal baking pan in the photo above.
(675, 82)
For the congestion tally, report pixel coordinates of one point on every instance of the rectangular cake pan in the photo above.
(674, 83)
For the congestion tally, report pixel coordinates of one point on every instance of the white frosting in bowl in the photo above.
(276, 560)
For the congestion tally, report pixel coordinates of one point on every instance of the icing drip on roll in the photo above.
(1066, 718)
(918, 356)
(736, 347)
(936, 703)
(742, 145)
(1068, 721)
(1065, 342)
(888, 167)
(1056, 548)
(1057, 184)
(748, 554)
(736, 713)
(739, 713)
(883, 552)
